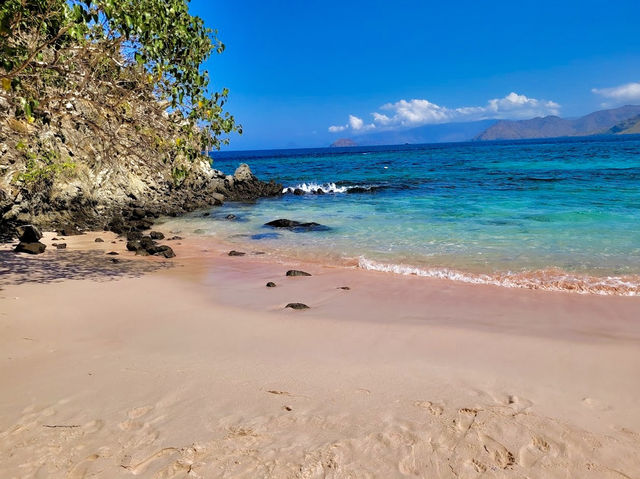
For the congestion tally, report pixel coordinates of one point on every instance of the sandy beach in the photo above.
(191, 367)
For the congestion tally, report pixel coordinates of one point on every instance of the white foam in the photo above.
(547, 280)
(313, 187)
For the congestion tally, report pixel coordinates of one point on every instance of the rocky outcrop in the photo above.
(29, 236)
(296, 226)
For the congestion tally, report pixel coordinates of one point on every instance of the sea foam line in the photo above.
(548, 280)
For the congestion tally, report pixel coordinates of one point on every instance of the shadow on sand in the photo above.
(63, 265)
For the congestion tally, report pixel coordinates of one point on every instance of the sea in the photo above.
(560, 214)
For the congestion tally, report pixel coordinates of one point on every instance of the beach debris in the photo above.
(346, 288)
(29, 236)
(98, 240)
(297, 306)
(175, 238)
(287, 408)
(297, 272)
(236, 253)
(156, 235)
(297, 226)
(271, 284)
(279, 393)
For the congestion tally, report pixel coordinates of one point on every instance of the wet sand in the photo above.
(191, 367)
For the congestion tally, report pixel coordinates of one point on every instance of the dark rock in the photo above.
(138, 213)
(175, 238)
(271, 284)
(98, 240)
(295, 272)
(230, 217)
(156, 235)
(206, 214)
(115, 260)
(113, 253)
(297, 306)
(236, 253)
(346, 288)
(133, 245)
(31, 248)
(297, 226)
(28, 234)
(142, 252)
(161, 250)
(319, 191)
(69, 230)
(61, 246)
(298, 192)
(134, 236)
(146, 242)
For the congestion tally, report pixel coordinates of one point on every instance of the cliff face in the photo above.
(91, 166)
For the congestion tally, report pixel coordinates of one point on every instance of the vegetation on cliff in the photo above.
(104, 103)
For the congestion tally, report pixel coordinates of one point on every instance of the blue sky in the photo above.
(295, 69)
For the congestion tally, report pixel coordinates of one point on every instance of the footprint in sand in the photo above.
(434, 409)
(136, 413)
(530, 454)
(499, 454)
(466, 418)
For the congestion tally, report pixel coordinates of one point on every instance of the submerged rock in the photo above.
(296, 272)
(297, 306)
(297, 226)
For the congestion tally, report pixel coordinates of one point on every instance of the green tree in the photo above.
(125, 44)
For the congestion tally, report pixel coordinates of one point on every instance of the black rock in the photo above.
(113, 253)
(175, 238)
(28, 234)
(296, 226)
(115, 260)
(156, 235)
(31, 248)
(69, 230)
(146, 242)
(98, 240)
(236, 253)
(295, 272)
(297, 306)
(138, 213)
(319, 191)
(230, 217)
(161, 250)
(206, 214)
(61, 246)
(134, 235)
(346, 288)
(271, 284)
(133, 245)
(298, 192)
(142, 252)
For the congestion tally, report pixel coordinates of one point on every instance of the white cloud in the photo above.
(627, 92)
(416, 112)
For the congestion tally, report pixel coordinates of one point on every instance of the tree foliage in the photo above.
(122, 45)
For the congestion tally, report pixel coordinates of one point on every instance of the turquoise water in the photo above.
(560, 214)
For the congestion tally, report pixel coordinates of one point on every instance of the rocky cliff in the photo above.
(91, 165)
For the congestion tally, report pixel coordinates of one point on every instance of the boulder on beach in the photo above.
(156, 235)
(271, 284)
(236, 253)
(31, 248)
(296, 272)
(28, 233)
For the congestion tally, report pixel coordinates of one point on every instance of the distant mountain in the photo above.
(595, 123)
(342, 142)
(441, 133)
(626, 127)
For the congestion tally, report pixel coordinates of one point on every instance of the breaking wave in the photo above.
(314, 188)
(548, 279)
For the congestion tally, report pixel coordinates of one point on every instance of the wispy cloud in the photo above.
(416, 112)
(622, 93)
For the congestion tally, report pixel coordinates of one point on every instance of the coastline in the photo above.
(198, 370)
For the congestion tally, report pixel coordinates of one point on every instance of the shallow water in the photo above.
(556, 214)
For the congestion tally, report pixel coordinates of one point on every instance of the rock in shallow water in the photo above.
(297, 226)
(297, 306)
(296, 272)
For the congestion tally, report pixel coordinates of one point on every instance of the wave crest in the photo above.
(548, 279)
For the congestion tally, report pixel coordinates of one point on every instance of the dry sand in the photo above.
(133, 368)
